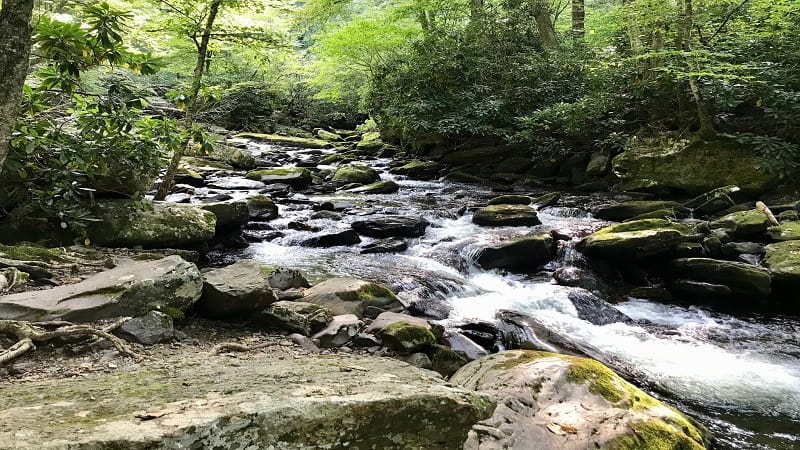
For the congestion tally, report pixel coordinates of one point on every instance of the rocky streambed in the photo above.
(690, 300)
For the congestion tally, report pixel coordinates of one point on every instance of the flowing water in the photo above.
(740, 375)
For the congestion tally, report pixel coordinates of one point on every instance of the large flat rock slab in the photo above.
(214, 401)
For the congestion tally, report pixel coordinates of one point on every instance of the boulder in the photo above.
(355, 173)
(546, 200)
(402, 333)
(282, 279)
(391, 226)
(594, 309)
(389, 245)
(575, 277)
(506, 215)
(235, 291)
(789, 231)
(743, 224)
(380, 187)
(296, 317)
(341, 330)
(124, 224)
(783, 260)
(522, 255)
(684, 167)
(344, 237)
(418, 170)
(597, 165)
(262, 208)
(296, 177)
(287, 141)
(230, 214)
(152, 328)
(236, 184)
(570, 403)
(619, 212)
(445, 360)
(742, 279)
(235, 157)
(464, 345)
(352, 296)
(205, 401)
(510, 200)
(169, 285)
(326, 135)
(635, 240)
(370, 142)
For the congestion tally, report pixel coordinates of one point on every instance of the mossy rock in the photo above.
(296, 177)
(510, 199)
(636, 239)
(287, 141)
(506, 215)
(742, 279)
(783, 259)
(355, 173)
(380, 187)
(296, 317)
(418, 170)
(31, 252)
(743, 224)
(560, 401)
(789, 231)
(352, 296)
(445, 360)
(619, 212)
(262, 207)
(524, 254)
(370, 142)
(406, 338)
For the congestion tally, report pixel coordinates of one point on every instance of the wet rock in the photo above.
(635, 240)
(485, 334)
(391, 226)
(283, 278)
(328, 215)
(304, 342)
(341, 330)
(742, 279)
(732, 250)
(594, 309)
(355, 173)
(152, 328)
(619, 212)
(190, 177)
(651, 292)
(370, 142)
(236, 158)
(262, 208)
(419, 360)
(124, 224)
(463, 177)
(566, 402)
(523, 255)
(788, 216)
(380, 187)
(178, 198)
(169, 285)
(418, 170)
(352, 296)
(527, 332)
(699, 290)
(261, 235)
(364, 340)
(464, 345)
(402, 333)
(344, 237)
(301, 226)
(783, 260)
(445, 360)
(296, 317)
(230, 214)
(713, 201)
(506, 215)
(385, 246)
(546, 200)
(296, 177)
(575, 277)
(511, 200)
(743, 224)
(785, 232)
(235, 183)
(235, 291)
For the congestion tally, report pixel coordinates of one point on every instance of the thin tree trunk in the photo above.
(544, 22)
(632, 26)
(15, 49)
(191, 101)
(578, 20)
(706, 131)
(476, 10)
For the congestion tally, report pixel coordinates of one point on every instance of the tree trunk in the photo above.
(15, 49)
(578, 20)
(632, 27)
(476, 10)
(544, 22)
(191, 101)
(706, 131)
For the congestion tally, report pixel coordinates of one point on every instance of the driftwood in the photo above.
(767, 212)
(30, 333)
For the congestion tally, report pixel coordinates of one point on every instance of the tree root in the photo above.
(29, 333)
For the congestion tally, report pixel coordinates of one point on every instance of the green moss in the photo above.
(30, 252)
(370, 291)
(445, 360)
(355, 173)
(280, 171)
(601, 380)
(172, 312)
(654, 435)
(789, 231)
(289, 141)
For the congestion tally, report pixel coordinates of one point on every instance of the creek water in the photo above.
(738, 374)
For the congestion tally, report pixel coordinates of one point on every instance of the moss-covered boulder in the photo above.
(635, 240)
(524, 254)
(691, 167)
(169, 284)
(418, 170)
(743, 224)
(445, 360)
(287, 141)
(355, 173)
(379, 187)
(230, 214)
(199, 400)
(402, 333)
(352, 296)
(262, 207)
(619, 212)
(510, 199)
(789, 231)
(506, 216)
(543, 201)
(554, 401)
(783, 260)
(742, 279)
(370, 142)
(713, 201)
(124, 223)
(235, 291)
(235, 157)
(296, 177)
(329, 136)
(296, 317)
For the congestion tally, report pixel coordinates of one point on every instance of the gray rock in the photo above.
(262, 208)
(742, 279)
(619, 212)
(522, 255)
(352, 296)
(236, 183)
(344, 237)
(282, 279)
(464, 345)
(296, 177)
(297, 317)
(341, 330)
(131, 289)
(391, 226)
(511, 200)
(389, 245)
(230, 215)
(506, 215)
(419, 359)
(403, 333)
(379, 187)
(235, 291)
(152, 328)
(594, 309)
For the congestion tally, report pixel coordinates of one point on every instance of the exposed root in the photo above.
(29, 333)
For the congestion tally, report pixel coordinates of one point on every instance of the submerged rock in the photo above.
(235, 291)
(524, 254)
(506, 215)
(169, 285)
(635, 240)
(570, 403)
(352, 296)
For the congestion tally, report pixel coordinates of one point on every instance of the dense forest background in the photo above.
(114, 88)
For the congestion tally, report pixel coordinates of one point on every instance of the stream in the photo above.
(738, 374)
